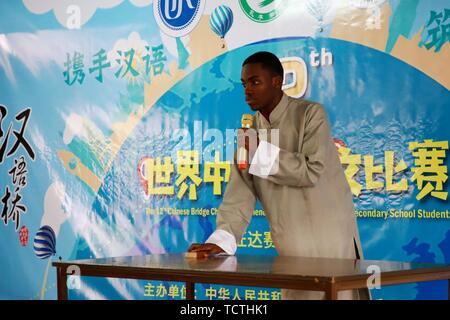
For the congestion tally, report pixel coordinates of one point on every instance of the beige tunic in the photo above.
(307, 202)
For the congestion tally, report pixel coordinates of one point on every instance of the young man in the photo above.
(304, 193)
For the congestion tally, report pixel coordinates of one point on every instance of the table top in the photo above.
(259, 265)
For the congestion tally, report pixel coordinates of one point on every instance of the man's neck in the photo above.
(268, 110)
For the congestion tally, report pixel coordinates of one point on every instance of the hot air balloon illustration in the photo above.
(318, 9)
(45, 242)
(221, 21)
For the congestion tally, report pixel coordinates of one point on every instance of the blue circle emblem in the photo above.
(178, 17)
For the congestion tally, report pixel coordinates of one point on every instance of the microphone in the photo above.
(242, 154)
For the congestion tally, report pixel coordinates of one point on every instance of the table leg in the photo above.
(190, 290)
(331, 292)
(62, 284)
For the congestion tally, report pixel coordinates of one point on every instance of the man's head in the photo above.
(262, 78)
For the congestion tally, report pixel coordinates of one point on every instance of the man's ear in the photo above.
(277, 81)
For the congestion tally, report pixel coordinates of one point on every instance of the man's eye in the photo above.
(255, 82)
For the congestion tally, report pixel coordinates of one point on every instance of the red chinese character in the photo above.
(23, 233)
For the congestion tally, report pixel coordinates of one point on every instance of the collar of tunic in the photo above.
(276, 114)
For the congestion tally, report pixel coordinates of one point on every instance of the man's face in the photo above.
(260, 86)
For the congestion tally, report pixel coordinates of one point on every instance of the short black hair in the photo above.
(268, 60)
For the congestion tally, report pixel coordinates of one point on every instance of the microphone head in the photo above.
(246, 120)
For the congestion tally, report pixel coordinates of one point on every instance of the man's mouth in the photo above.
(252, 104)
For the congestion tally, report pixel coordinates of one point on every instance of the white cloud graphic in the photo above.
(56, 202)
(65, 9)
(170, 43)
(53, 46)
(5, 50)
(141, 3)
(134, 41)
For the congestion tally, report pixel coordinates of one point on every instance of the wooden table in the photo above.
(316, 274)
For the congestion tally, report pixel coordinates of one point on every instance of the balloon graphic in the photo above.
(221, 20)
(45, 242)
(318, 9)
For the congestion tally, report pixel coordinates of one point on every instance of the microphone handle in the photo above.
(242, 158)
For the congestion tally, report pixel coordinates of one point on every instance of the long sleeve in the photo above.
(303, 169)
(236, 209)
(223, 239)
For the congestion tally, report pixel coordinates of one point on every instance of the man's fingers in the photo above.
(205, 247)
(194, 247)
(211, 248)
(216, 249)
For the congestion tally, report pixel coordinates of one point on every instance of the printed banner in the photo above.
(118, 126)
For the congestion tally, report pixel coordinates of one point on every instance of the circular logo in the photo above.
(263, 10)
(177, 18)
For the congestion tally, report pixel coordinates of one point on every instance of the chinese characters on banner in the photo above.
(131, 64)
(178, 291)
(11, 206)
(157, 174)
(429, 172)
(429, 157)
(437, 30)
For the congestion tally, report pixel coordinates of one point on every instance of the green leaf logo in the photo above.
(261, 11)
(265, 3)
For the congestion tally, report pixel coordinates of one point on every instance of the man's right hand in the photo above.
(250, 141)
(209, 248)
